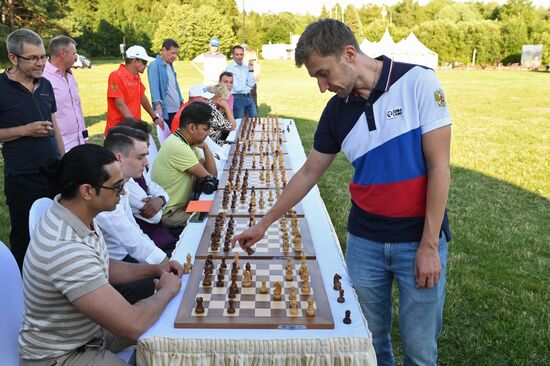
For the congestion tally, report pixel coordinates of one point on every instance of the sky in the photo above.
(314, 6)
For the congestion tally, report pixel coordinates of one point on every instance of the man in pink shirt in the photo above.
(62, 50)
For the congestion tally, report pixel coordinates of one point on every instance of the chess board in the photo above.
(253, 162)
(262, 124)
(242, 209)
(255, 147)
(253, 309)
(270, 246)
(254, 179)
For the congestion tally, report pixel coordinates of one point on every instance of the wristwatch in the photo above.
(163, 200)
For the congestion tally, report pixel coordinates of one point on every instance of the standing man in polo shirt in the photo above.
(126, 92)
(69, 116)
(243, 81)
(391, 121)
(163, 82)
(28, 131)
(213, 63)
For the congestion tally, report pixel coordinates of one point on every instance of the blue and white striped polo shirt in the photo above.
(382, 138)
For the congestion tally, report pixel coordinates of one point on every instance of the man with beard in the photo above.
(391, 121)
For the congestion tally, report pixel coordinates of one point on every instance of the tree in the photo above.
(354, 22)
(458, 13)
(324, 13)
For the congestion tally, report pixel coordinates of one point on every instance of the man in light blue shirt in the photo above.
(165, 91)
(243, 81)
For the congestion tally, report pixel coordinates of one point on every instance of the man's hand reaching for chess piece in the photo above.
(249, 237)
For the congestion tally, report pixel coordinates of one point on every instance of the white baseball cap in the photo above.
(199, 90)
(138, 52)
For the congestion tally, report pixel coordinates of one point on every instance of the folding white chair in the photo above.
(38, 209)
(12, 307)
(163, 134)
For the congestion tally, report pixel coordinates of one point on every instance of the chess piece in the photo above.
(310, 309)
(288, 263)
(247, 266)
(292, 295)
(231, 308)
(293, 307)
(270, 197)
(231, 293)
(234, 287)
(223, 264)
(220, 283)
(336, 281)
(188, 265)
(236, 260)
(306, 290)
(262, 202)
(289, 276)
(341, 298)
(277, 292)
(247, 282)
(199, 309)
(264, 289)
(347, 319)
(206, 282)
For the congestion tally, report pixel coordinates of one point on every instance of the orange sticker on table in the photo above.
(199, 206)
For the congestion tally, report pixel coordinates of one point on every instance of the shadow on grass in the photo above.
(92, 120)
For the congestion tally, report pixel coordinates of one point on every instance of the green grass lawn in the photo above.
(497, 310)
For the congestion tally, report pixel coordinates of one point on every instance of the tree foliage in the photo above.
(451, 28)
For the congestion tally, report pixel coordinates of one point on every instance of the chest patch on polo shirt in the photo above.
(394, 113)
(114, 86)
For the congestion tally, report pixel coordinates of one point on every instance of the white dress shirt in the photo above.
(124, 236)
(136, 194)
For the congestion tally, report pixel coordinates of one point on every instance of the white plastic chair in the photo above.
(38, 209)
(163, 134)
(12, 307)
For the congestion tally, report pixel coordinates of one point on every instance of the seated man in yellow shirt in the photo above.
(179, 161)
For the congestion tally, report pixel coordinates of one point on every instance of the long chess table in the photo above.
(259, 330)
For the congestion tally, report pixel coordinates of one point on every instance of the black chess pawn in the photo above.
(220, 283)
(223, 265)
(199, 309)
(206, 282)
(247, 266)
(341, 298)
(231, 294)
(347, 319)
(231, 308)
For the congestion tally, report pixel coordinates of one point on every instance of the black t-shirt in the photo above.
(18, 107)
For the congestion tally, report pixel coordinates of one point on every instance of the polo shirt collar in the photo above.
(383, 84)
(36, 81)
(70, 218)
(122, 68)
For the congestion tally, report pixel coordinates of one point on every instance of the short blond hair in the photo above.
(219, 90)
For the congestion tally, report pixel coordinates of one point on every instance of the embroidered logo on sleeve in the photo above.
(114, 86)
(439, 97)
(394, 113)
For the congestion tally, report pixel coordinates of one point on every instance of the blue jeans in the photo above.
(372, 267)
(244, 104)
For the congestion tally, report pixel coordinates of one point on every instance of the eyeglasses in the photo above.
(116, 188)
(34, 59)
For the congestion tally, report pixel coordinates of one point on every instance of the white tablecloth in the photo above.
(349, 344)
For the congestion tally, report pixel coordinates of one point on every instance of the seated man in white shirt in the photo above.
(125, 239)
(147, 198)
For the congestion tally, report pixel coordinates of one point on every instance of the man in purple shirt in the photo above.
(62, 50)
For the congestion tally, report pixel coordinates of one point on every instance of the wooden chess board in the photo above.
(254, 162)
(270, 246)
(242, 208)
(252, 309)
(255, 147)
(262, 124)
(255, 181)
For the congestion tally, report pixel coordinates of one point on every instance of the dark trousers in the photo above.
(170, 119)
(21, 191)
(135, 291)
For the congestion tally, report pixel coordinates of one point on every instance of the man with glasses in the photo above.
(28, 131)
(62, 50)
(126, 92)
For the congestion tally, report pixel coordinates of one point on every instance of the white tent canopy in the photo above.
(409, 50)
